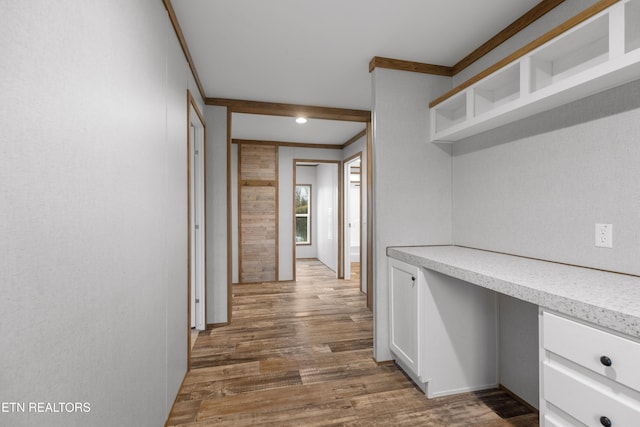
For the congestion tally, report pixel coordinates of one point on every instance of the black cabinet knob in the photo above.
(413, 278)
(606, 422)
(606, 362)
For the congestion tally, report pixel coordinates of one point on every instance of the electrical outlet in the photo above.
(604, 235)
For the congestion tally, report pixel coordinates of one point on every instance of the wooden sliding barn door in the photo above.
(258, 212)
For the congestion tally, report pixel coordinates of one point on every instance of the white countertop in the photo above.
(610, 300)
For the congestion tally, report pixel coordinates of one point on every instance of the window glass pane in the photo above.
(302, 199)
(303, 211)
(301, 230)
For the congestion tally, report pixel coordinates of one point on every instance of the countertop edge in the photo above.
(601, 316)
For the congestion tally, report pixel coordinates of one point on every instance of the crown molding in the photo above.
(505, 34)
(512, 29)
(183, 44)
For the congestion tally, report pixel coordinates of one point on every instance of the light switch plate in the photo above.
(604, 235)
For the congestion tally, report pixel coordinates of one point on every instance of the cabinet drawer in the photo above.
(587, 346)
(585, 400)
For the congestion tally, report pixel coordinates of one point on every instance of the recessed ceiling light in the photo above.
(301, 120)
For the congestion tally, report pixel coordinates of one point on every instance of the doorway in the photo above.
(353, 222)
(196, 137)
(247, 124)
(317, 213)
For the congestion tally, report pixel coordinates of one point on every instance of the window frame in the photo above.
(307, 215)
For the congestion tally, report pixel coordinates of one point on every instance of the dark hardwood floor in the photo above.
(300, 354)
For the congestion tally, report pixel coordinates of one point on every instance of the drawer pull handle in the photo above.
(606, 362)
(606, 422)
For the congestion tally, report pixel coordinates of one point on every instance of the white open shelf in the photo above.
(451, 112)
(595, 55)
(567, 56)
(498, 89)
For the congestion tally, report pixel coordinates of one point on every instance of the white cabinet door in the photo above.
(403, 307)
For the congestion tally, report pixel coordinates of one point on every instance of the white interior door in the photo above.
(197, 221)
(192, 221)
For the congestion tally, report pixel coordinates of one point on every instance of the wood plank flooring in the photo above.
(355, 272)
(300, 354)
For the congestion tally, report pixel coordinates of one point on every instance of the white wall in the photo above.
(176, 210)
(412, 178)
(327, 208)
(519, 347)
(537, 188)
(216, 174)
(93, 196)
(306, 175)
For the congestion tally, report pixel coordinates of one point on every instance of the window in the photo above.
(303, 214)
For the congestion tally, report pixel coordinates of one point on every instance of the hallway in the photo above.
(300, 354)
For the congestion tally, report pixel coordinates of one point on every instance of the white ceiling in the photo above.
(316, 52)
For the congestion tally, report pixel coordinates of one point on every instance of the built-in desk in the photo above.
(607, 299)
(588, 327)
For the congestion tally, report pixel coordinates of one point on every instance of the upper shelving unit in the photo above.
(593, 51)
